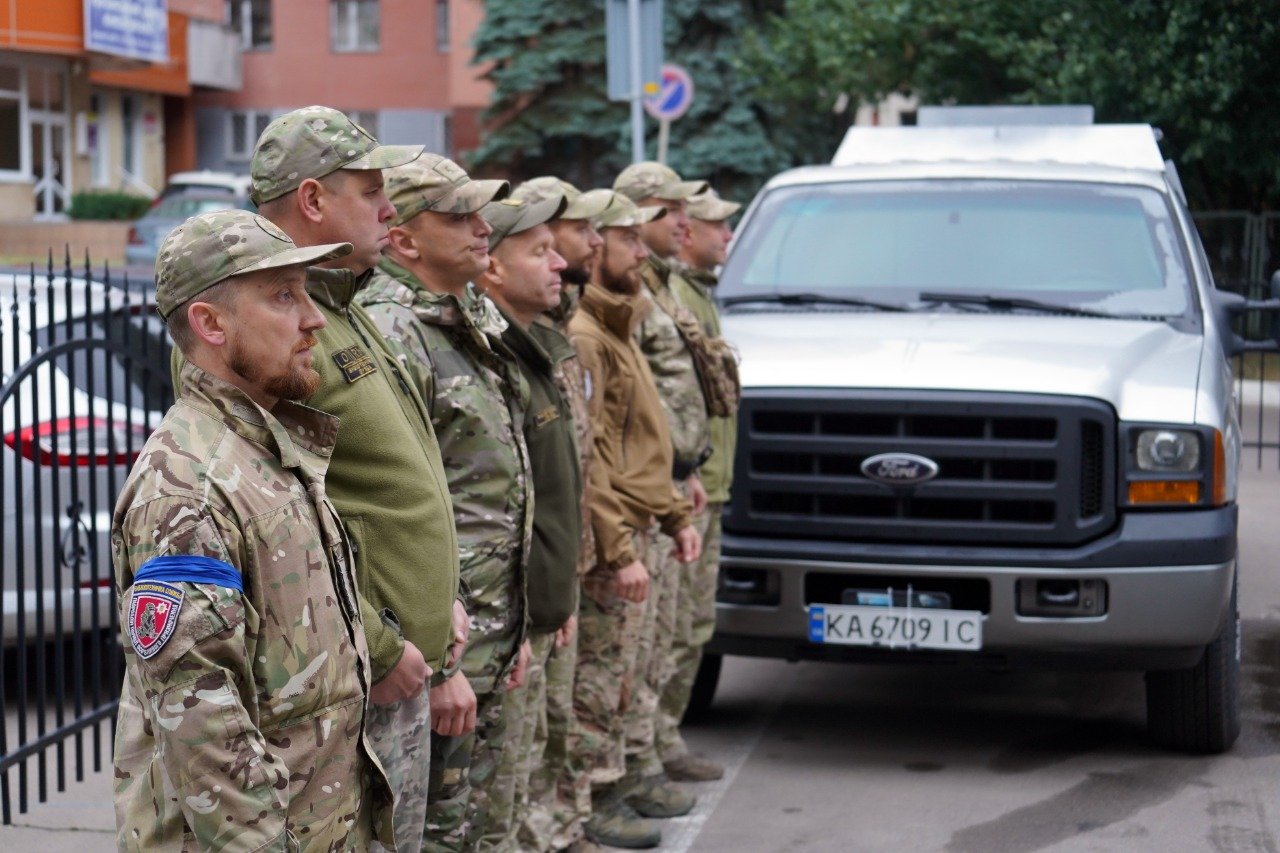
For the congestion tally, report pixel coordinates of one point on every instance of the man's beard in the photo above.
(297, 384)
(627, 285)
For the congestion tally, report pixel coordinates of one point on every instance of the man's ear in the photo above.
(208, 322)
(308, 198)
(492, 276)
(403, 242)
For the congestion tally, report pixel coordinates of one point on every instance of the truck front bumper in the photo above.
(1157, 616)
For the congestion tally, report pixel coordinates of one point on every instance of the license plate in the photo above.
(895, 627)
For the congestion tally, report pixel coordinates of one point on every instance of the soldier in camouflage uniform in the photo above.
(317, 175)
(661, 340)
(702, 253)
(633, 458)
(242, 717)
(448, 339)
(559, 798)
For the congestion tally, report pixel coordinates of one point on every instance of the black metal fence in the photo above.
(85, 380)
(1244, 251)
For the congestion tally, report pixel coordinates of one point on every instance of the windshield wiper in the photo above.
(1011, 302)
(812, 299)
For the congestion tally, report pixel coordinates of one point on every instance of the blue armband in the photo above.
(186, 568)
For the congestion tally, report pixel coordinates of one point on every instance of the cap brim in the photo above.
(386, 157)
(649, 214)
(308, 255)
(715, 210)
(587, 206)
(682, 190)
(472, 196)
(541, 212)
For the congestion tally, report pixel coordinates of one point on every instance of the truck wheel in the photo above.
(704, 687)
(1198, 709)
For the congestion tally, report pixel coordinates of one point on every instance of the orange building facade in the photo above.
(401, 68)
(96, 94)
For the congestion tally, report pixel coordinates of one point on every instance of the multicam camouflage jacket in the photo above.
(241, 720)
(674, 373)
(453, 351)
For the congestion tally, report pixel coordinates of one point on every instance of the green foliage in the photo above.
(106, 204)
(550, 112)
(1202, 72)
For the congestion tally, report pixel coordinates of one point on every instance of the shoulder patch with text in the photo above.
(153, 616)
(354, 363)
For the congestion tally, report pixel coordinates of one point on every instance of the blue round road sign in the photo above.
(674, 97)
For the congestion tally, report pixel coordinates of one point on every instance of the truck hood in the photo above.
(1147, 371)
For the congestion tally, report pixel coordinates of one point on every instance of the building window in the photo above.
(243, 131)
(368, 119)
(353, 26)
(443, 34)
(99, 154)
(252, 19)
(11, 97)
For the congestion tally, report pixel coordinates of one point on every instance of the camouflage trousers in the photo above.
(401, 737)
(695, 623)
(547, 814)
(464, 768)
(608, 637)
(653, 647)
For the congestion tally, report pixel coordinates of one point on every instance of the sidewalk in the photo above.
(79, 820)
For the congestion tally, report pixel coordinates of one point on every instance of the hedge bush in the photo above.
(106, 204)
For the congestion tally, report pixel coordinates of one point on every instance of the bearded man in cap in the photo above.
(242, 719)
(664, 337)
(633, 451)
(704, 250)
(318, 176)
(448, 338)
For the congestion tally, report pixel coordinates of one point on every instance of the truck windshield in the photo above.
(1112, 249)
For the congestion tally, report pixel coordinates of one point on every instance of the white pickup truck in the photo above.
(987, 417)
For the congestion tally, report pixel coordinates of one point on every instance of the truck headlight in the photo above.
(1168, 450)
(1169, 466)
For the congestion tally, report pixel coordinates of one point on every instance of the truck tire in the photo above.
(704, 687)
(1198, 709)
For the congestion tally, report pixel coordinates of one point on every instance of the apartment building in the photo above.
(97, 94)
(401, 68)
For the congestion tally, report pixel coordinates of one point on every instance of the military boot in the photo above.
(658, 796)
(613, 823)
(690, 768)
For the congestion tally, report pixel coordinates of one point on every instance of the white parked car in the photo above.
(77, 403)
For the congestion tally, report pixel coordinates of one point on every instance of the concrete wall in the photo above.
(22, 242)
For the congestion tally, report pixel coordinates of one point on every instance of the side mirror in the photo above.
(1226, 307)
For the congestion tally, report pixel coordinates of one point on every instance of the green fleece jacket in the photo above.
(552, 576)
(386, 480)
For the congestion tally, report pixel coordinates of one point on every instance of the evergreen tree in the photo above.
(550, 113)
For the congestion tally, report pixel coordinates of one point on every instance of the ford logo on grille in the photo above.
(899, 469)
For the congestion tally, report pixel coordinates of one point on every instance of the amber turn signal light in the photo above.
(1164, 492)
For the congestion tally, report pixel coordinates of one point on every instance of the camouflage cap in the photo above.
(313, 142)
(438, 184)
(211, 247)
(651, 179)
(709, 207)
(581, 205)
(624, 213)
(513, 215)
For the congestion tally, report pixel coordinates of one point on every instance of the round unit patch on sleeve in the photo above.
(153, 616)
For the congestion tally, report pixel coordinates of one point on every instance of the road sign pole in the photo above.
(664, 135)
(637, 84)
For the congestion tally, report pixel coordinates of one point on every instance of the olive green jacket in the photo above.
(694, 290)
(552, 578)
